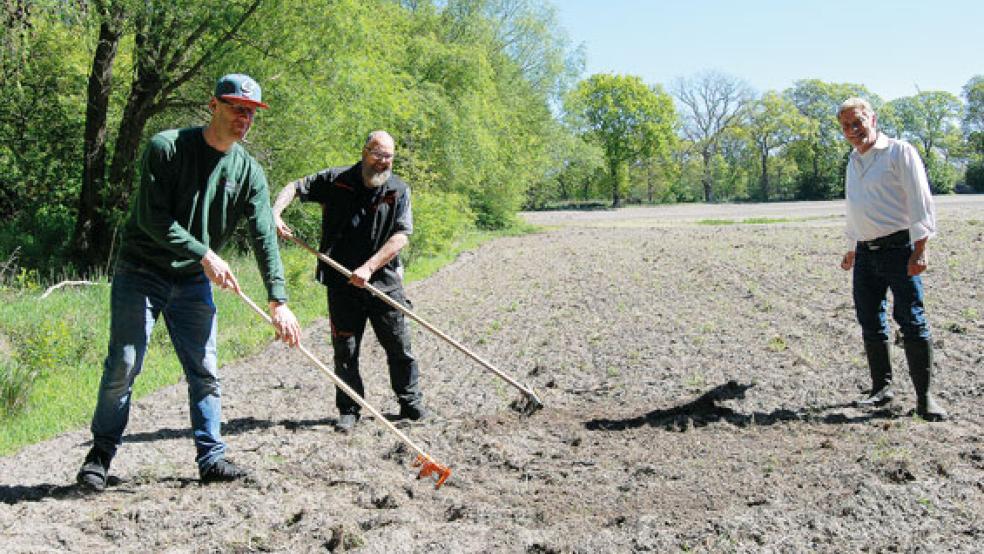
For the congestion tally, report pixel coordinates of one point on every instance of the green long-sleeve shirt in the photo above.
(190, 199)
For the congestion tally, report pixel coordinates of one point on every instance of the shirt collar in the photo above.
(881, 143)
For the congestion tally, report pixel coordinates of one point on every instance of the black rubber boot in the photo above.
(94, 473)
(919, 354)
(880, 366)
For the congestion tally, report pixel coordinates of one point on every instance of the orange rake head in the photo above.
(427, 466)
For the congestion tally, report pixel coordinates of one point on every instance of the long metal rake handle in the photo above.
(427, 464)
(409, 313)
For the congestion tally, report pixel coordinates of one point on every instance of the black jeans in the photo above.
(348, 309)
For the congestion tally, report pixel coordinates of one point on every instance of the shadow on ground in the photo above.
(705, 410)
(237, 426)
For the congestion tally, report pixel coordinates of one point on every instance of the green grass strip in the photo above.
(61, 340)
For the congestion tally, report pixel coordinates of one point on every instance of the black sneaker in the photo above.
(414, 413)
(222, 471)
(346, 422)
(95, 470)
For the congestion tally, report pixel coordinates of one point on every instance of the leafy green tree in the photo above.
(42, 70)
(574, 166)
(973, 120)
(628, 119)
(926, 119)
(172, 42)
(467, 117)
(975, 176)
(821, 153)
(773, 123)
(890, 120)
(713, 103)
(466, 87)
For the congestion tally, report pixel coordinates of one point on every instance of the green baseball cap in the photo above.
(240, 89)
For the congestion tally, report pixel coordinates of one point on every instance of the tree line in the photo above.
(485, 99)
(710, 137)
(464, 85)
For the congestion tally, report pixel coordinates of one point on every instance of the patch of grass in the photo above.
(765, 220)
(16, 382)
(575, 205)
(757, 220)
(884, 451)
(777, 344)
(926, 504)
(769, 467)
(707, 328)
(695, 381)
(51, 350)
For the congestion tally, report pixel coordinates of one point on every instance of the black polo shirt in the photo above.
(357, 220)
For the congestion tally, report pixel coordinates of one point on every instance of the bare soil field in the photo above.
(698, 382)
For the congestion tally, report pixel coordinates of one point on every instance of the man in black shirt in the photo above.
(366, 221)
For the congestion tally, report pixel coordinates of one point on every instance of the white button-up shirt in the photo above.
(887, 191)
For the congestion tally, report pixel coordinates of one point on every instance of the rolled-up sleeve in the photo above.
(919, 199)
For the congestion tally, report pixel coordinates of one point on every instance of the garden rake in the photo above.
(423, 460)
(530, 402)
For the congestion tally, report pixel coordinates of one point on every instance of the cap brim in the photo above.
(232, 98)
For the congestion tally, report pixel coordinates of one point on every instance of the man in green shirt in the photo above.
(196, 185)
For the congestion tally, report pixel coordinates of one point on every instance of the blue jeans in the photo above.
(877, 271)
(139, 295)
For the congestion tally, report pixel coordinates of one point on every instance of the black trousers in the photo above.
(348, 309)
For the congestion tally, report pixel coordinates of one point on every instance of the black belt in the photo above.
(898, 238)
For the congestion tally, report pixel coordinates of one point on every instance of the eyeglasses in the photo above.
(381, 156)
(248, 111)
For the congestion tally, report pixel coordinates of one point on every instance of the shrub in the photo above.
(16, 381)
(975, 176)
(46, 345)
(438, 219)
(942, 176)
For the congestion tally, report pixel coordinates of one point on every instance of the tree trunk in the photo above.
(816, 163)
(90, 241)
(615, 167)
(765, 176)
(708, 191)
(139, 107)
(650, 184)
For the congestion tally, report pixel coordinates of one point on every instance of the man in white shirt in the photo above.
(890, 218)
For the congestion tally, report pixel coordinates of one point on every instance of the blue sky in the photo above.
(892, 47)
